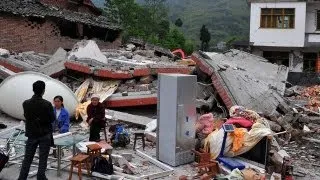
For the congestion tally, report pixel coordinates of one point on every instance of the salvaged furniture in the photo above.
(93, 151)
(77, 161)
(205, 165)
(139, 135)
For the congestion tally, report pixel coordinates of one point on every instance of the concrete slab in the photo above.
(55, 65)
(253, 65)
(244, 85)
(116, 115)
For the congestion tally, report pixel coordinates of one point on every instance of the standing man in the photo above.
(39, 117)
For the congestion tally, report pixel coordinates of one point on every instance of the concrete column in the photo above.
(295, 61)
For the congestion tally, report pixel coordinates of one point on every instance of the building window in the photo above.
(281, 18)
(276, 57)
(318, 20)
(309, 62)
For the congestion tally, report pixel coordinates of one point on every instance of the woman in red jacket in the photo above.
(96, 118)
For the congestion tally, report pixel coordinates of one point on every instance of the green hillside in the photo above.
(224, 18)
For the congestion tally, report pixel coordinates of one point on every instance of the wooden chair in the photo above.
(77, 161)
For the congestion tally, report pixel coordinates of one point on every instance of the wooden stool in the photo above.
(78, 160)
(139, 135)
(93, 151)
(205, 165)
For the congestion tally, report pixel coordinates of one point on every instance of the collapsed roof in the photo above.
(36, 9)
(245, 79)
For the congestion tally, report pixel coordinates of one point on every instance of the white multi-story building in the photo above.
(287, 32)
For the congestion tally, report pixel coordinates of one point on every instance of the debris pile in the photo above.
(311, 95)
(234, 88)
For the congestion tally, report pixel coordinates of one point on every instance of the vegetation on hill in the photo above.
(162, 21)
(225, 19)
(149, 21)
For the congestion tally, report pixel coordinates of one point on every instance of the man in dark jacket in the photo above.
(39, 115)
(96, 118)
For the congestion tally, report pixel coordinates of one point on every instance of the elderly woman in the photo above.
(96, 118)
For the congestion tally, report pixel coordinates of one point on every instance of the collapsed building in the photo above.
(43, 26)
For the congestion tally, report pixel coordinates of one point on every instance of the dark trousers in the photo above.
(44, 143)
(95, 132)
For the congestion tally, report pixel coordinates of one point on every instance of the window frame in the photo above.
(317, 19)
(273, 15)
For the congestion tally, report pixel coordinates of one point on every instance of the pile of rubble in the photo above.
(239, 79)
(127, 77)
(136, 65)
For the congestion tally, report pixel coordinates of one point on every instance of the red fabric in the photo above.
(240, 121)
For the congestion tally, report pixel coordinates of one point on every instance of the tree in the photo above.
(149, 22)
(178, 23)
(205, 38)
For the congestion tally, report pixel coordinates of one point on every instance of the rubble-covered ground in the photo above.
(224, 80)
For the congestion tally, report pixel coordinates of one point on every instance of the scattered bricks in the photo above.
(80, 67)
(146, 80)
(113, 74)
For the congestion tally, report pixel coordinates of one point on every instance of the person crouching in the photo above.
(96, 118)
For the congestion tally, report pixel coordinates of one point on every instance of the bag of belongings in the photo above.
(120, 137)
(3, 160)
(102, 165)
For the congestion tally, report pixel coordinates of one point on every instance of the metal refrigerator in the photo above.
(176, 118)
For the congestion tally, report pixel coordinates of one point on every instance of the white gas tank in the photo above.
(17, 88)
